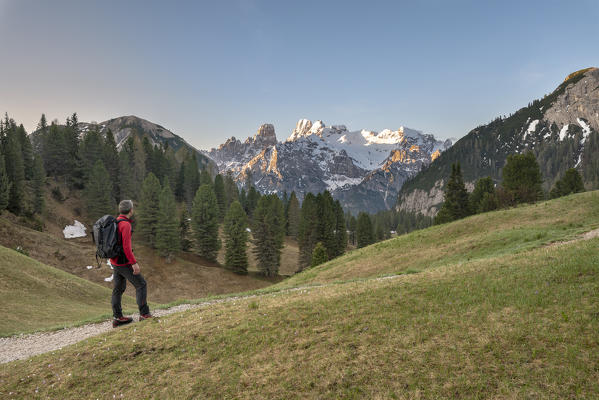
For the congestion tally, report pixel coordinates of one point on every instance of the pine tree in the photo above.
(570, 183)
(522, 178)
(180, 184)
(482, 186)
(204, 221)
(293, 216)
(111, 161)
(340, 229)
(26, 151)
(39, 180)
(326, 223)
(352, 225)
(91, 149)
(205, 178)
(319, 255)
(97, 192)
(55, 154)
(125, 180)
(4, 185)
(307, 230)
(13, 161)
(236, 238)
(456, 205)
(168, 241)
(231, 191)
(192, 179)
(139, 168)
(268, 228)
(364, 230)
(219, 191)
(147, 213)
(251, 201)
(184, 230)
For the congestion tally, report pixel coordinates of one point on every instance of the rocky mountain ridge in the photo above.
(363, 169)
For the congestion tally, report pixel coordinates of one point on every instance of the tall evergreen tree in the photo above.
(184, 230)
(139, 168)
(482, 186)
(148, 210)
(204, 221)
(236, 238)
(251, 201)
(307, 230)
(125, 180)
(97, 192)
(456, 205)
(521, 178)
(168, 241)
(326, 223)
(180, 183)
(231, 191)
(111, 161)
(54, 153)
(205, 178)
(13, 161)
(192, 179)
(39, 180)
(4, 185)
(268, 228)
(364, 230)
(91, 149)
(293, 216)
(340, 229)
(570, 183)
(352, 226)
(219, 191)
(26, 151)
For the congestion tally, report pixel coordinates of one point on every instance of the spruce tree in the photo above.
(55, 154)
(204, 221)
(125, 180)
(293, 216)
(231, 190)
(168, 241)
(192, 179)
(352, 224)
(236, 238)
(26, 151)
(91, 149)
(326, 223)
(97, 192)
(148, 209)
(456, 204)
(111, 161)
(184, 230)
(219, 191)
(4, 185)
(307, 230)
(319, 255)
(13, 161)
(521, 178)
(340, 229)
(570, 183)
(180, 183)
(364, 230)
(268, 229)
(39, 180)
(251, 201)
(139, 168)
(482, 186)
(205, 178)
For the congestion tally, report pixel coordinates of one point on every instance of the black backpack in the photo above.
(106, 237)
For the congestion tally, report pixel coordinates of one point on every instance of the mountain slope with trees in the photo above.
(561, 129)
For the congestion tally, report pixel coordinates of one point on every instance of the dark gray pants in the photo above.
(122, 274)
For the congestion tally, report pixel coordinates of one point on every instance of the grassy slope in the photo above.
(476, 237)
(35, 296)
(497, 319)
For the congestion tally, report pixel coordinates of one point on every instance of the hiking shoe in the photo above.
(121, 321)
(145, 316)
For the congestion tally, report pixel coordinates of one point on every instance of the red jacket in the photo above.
(124, 232)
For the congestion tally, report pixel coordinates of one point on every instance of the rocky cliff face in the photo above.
(561, 130)
(363, 169)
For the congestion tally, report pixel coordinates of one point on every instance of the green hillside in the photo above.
(477, 237)
(488, 312)
(35, 296)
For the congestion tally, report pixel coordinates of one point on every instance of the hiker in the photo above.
(126, 269)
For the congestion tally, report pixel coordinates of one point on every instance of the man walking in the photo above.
(126, 269)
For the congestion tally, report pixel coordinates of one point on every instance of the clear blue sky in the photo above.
(208, 70)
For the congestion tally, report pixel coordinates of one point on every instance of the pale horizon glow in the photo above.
(211, 70)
